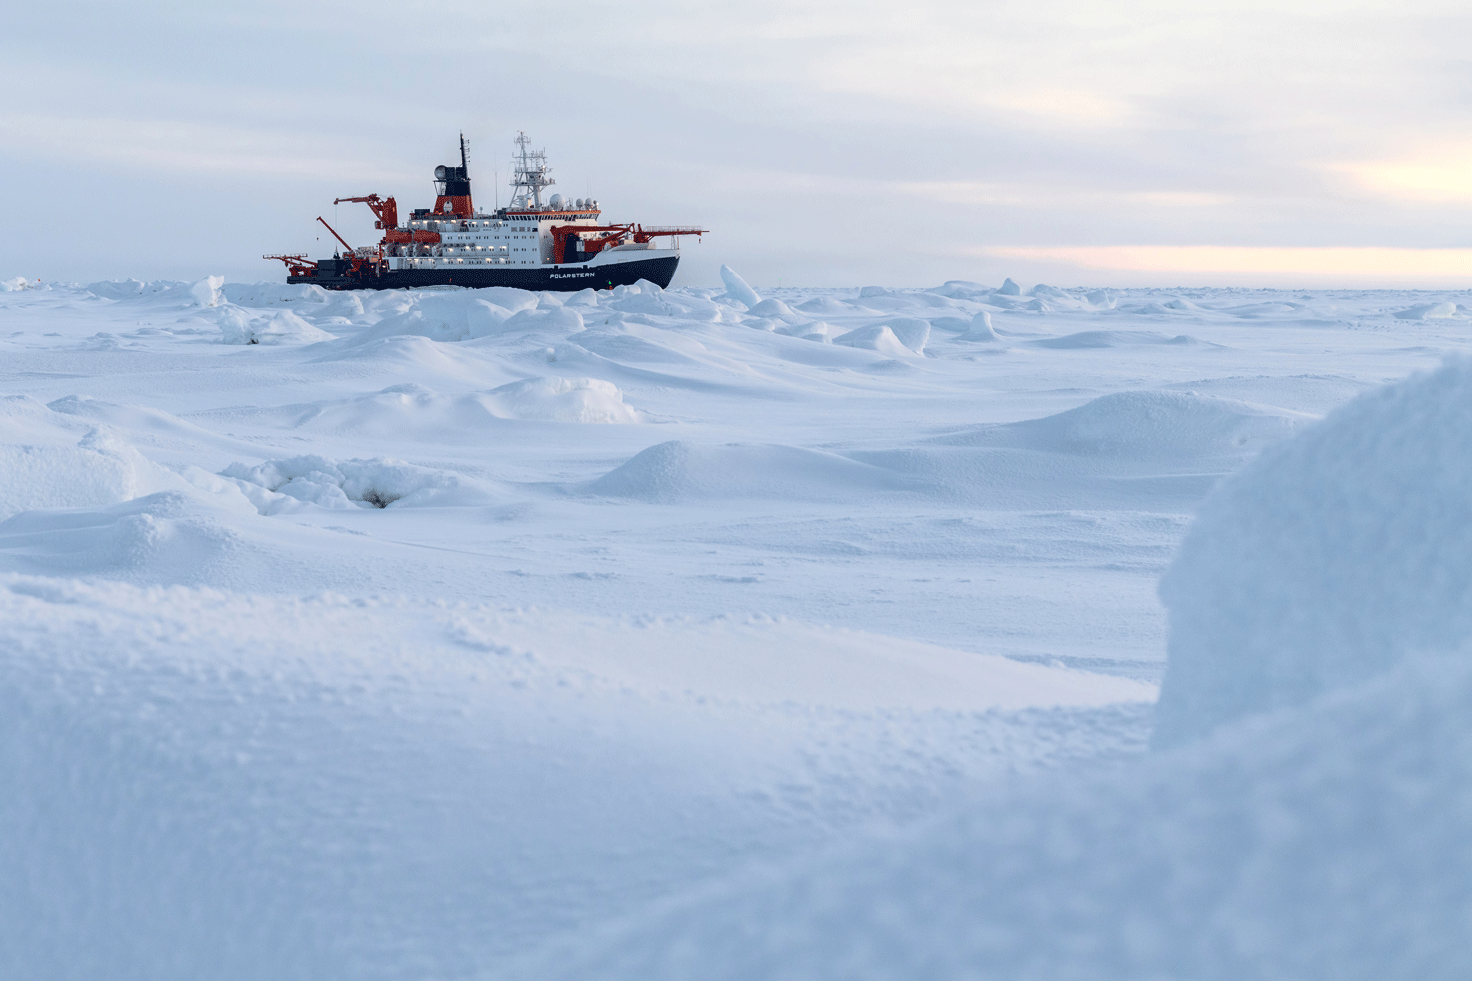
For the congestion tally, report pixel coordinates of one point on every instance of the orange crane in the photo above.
(613, 234)
(386, 210)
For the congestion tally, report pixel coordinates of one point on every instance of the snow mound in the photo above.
(981, 330)
(1428, 311)
(278, 327)
(1151, 424)
(897, 337)
(454, 316)
(826, 305)
(44, 463)
(1329, 559)
(664, 303)
(772, 307)
(554, 399)
(1112, 338)
(680, 471)
(171, 535)
(737, 289)
(207, 292)
(15, 285)
(274, 294)
(282, 486)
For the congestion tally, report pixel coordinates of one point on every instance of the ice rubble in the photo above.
(280, 327)
(1320, 629)
(737, 289)
(278, 486)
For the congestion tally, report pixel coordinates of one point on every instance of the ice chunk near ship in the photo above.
(277, 327)
(207, 292)
(736, 288)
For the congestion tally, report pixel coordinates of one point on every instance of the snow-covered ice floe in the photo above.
(732, 632)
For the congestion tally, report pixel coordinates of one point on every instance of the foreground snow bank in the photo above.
(1329, 581)
(1329, 559)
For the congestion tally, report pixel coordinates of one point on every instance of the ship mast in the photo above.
(530, 175)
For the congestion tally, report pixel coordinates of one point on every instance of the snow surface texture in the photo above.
(446, 633)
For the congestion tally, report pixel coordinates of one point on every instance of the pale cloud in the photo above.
(1437, 173)
(1347, 262)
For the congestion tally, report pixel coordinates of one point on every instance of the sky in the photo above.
(1284, 144)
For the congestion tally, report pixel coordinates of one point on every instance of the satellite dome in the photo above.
(440, 172)
(555, 201)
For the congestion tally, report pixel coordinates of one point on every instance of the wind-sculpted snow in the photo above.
(455, 633)
(679, 471)
(1166, 425)
(1329, 559)
(50, 459)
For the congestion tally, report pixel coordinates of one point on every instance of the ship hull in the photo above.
(571, 277)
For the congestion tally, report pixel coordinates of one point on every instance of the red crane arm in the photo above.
(296, 265)
(386, 210)
(642, 234)
(334, 234)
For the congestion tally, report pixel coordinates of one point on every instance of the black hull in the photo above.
(566, 278)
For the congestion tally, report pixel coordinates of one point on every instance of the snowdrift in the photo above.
(1330, 559)
(681, 471)
(50, 459)
(414, 411)
(1178, 425)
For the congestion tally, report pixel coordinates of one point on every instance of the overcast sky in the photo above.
(1076, 143)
